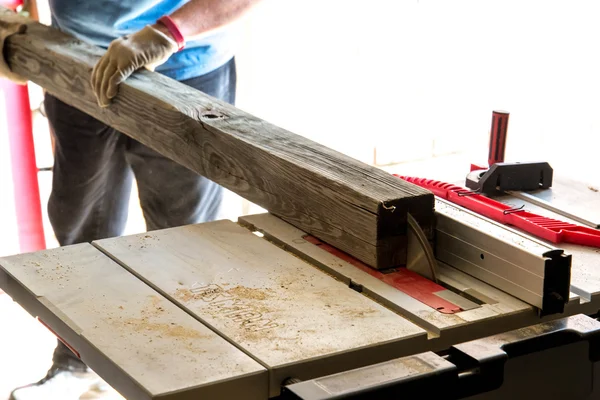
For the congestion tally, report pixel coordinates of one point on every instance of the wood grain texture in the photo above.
(355, 207)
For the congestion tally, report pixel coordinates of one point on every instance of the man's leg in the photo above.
(91, 180)
(170, 194)
(89, 199)
(91, 184)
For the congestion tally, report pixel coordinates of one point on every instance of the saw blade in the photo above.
(420, 257)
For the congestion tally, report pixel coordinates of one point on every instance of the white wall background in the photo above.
(416, 79)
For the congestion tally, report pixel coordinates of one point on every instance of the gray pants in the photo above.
(94, 166)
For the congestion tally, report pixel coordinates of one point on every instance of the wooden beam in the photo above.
(355, 207)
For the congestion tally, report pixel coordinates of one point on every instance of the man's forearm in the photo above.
(199, 18)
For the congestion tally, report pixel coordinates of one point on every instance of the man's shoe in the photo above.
(66, 383)
(101, 390)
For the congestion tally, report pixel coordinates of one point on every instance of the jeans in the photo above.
(94, 166)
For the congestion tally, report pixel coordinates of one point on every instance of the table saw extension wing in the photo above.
(143, 344)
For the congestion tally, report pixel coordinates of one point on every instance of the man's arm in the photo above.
(199, 18)
(154, 44)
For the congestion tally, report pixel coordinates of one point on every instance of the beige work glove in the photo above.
(147, 48)
(8, 27)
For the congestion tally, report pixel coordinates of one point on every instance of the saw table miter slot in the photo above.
(348, 204)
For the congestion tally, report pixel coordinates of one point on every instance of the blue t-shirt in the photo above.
(101, 21)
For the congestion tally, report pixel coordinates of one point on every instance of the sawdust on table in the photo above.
(251, 293)
(150, 327)
(171, 330)
(247, 297)
(52, 271)
(247, 336)
(241, 292)
(437, 318)
(154, 308)
(155, 301)
(185, 295)
(359, 313)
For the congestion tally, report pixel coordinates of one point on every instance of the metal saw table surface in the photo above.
(215, 310)
(139, 341)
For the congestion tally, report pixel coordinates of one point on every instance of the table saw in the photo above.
(259, 309)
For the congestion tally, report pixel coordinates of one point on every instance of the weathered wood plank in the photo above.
(355, 207)
(141, 343)
(290, 316)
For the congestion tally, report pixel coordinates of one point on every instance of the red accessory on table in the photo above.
(174, 30)
(550, 229)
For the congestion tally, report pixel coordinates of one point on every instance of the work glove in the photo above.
(8, 27)
(147, 48)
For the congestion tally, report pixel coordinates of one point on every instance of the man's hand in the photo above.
(147, 48)
(7, 29)
(153, 45)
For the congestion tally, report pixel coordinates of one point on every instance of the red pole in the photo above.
(22, 154)
(498, 137)
(24, 169)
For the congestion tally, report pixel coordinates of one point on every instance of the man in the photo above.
(188, 40)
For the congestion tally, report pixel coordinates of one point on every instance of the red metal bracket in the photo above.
(498, 137)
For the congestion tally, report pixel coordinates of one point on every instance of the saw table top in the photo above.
(288, 315)
(256, 310)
